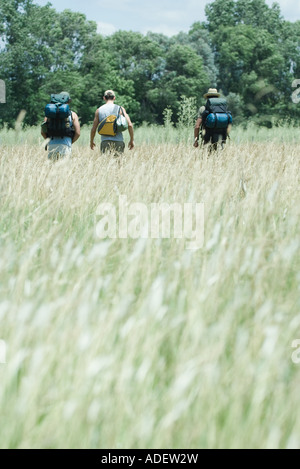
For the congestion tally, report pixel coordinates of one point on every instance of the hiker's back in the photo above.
(216, 115)
(62, 139)
(104, 111)
(214, 121)
(60, 127)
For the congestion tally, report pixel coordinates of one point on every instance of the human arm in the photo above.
(76, 126)
(44, 129)
(196, 131)
(130, 129)
(94, 128)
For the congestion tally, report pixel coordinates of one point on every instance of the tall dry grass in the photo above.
(142, 343)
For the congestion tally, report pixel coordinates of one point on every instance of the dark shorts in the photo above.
(112, 146)
(214, 138)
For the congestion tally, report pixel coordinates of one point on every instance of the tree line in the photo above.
(245, 48)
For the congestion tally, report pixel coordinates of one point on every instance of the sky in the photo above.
(168, 17)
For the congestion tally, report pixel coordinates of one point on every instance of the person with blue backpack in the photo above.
(214, 120)
(61, 126)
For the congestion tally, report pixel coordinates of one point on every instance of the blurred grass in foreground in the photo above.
(141, 343)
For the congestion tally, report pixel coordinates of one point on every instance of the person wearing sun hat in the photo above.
(109, 142)
(209, 136)
(212, 93)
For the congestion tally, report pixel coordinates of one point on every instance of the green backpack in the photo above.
(59, 117)
(217, 115)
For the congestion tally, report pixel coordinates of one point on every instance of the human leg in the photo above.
(112, 147)
(58, 151)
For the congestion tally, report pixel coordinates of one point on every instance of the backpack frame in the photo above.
(216, 114)
(59, 118)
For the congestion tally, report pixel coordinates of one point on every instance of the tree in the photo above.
(220, 13)
(199, 40)
(245, 48)
(258, 14)
(252, 53)
(137, 60)
(41, 54)
(184, 75)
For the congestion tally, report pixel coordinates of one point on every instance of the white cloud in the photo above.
(290, 9)
(106, 29)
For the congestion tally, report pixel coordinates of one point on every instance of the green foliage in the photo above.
(41, 55)
(262, 68)
(167, 114)
(187, 112)
(245, 48)
(200, 41)
(236, 107)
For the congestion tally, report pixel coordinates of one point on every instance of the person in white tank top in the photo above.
(109, 142)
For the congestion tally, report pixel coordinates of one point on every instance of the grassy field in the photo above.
(124, 343)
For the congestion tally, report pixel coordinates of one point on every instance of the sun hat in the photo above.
(212, 92)
(109, 94)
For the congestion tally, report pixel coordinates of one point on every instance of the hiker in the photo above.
(111, 142)
(61, 125)
(213, 120)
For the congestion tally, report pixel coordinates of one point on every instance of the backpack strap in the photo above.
(120, 111)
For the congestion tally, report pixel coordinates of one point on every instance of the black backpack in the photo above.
(216, 114)
(59, 117)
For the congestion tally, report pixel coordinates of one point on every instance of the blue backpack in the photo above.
(59, 117)
(216, 115)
